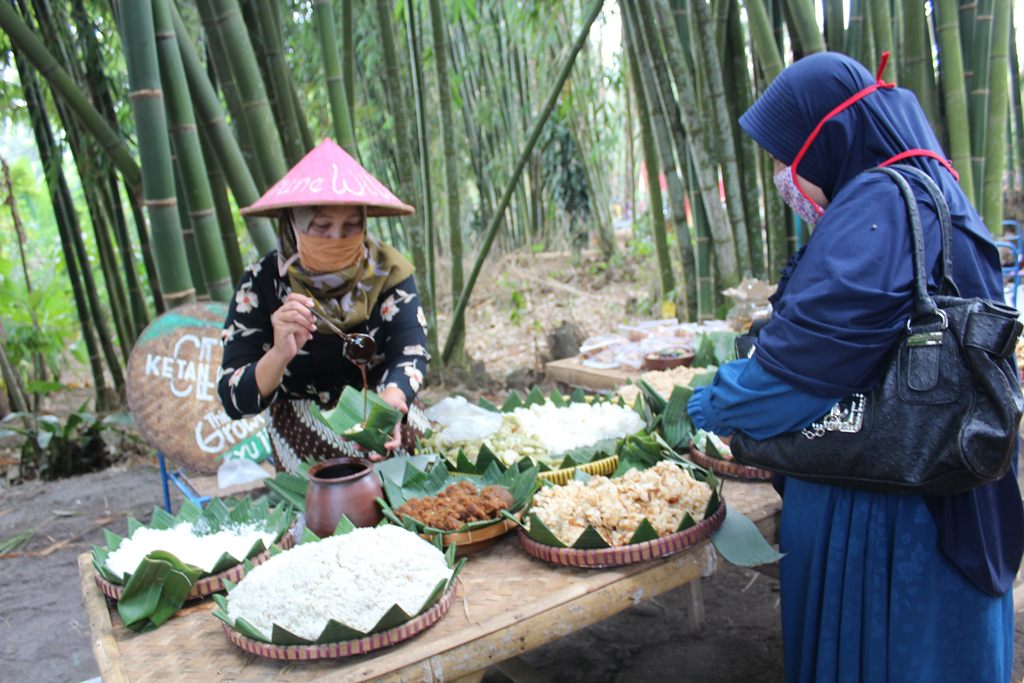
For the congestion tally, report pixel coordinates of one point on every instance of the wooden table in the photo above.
(508, 602)
(574, 373)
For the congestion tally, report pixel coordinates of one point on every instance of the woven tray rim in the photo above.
(627, 554)
(501, 526)
(727, 467)
(346, 648)
(208, 585)
(603, 466)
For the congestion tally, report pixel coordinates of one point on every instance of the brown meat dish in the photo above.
(457, 505)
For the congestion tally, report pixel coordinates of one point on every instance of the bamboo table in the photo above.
(507, 603)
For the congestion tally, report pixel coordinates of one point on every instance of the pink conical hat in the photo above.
(328, 176)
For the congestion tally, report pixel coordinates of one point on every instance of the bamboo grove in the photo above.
(502, 121)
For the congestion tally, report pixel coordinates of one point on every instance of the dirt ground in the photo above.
(43, 630)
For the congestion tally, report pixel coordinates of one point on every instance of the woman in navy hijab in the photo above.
(874, 587)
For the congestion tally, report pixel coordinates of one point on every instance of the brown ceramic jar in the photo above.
(342, 486)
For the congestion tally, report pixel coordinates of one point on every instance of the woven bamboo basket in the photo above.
(468, 542)
(346, 648)
(605, 466)
(208, 585)
(728, 467)
(627, 554)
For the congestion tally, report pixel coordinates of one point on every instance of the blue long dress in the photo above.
(875, 587)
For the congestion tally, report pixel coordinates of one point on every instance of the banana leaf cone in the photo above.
(346, 418)
(162, 582)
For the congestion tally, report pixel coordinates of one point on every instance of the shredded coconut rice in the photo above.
(191, 544)
(577, 424)
(354, 578)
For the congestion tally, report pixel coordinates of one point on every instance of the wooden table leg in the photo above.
(696, 595)
(519, 671)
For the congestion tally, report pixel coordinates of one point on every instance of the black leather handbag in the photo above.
(944, 416)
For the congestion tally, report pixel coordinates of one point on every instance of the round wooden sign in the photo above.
(172, 391)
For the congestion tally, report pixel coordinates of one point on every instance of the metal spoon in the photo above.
(358, 348)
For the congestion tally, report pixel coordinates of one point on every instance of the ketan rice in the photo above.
(615, 507)
(191, 544)
(354, 578)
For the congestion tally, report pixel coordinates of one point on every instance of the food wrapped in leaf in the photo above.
(371, 430)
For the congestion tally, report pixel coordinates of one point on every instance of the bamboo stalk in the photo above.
(218, 59)
(140, 313)
(288, 124)
(139, 43)
(806, 26)
(423, 140)
(978, 92)
(918, 60)
(1018, 105)
(952, 76)
(853, 44)
(535, 131)
(225, 146)
(723, 139)
(116, 297)
(642, 37)
(251, 88)
(112, 144)
(834, 29)
(222, 207)
(998, 108)
(306, 134)
(739, 96)
(881, 27)
(188, 234)
(152, 276)
(337, 96)
(407, 183)
(348, 59)
(764, 42)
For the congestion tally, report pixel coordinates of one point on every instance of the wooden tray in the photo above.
(605, 466)
(208, 585)
(627, 554)
(346, 648)
(728, 467)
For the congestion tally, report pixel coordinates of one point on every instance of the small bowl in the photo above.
(656, 361)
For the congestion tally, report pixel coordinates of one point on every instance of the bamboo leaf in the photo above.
(590, 540)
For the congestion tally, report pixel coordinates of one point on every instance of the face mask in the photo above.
(327, 255)
(794, 198)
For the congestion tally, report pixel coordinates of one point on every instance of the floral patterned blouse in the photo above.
(320, 371)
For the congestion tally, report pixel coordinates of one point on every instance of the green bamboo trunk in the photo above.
(739, 97)
(457, 334)
(806, 26)
(835, 35)
(853, 43)
(658, 158)
(535, 131)
(139, 43)
(406, 165)
(998, 108)
(1018, 106)
(192, 168)
(148, 260)
(881, 27)
(217, 57)
(140, 313)
(966, 10)
(763, 36)
(308, 141)
(222, 206)
(953, 88)
(323, 11)
(189, 236)
(117, 297)
(978, 91)
(918, 61)
(348, 60)
(663, 98)
(251, 88)
(277, 67)
(229, 155)
(423, 140)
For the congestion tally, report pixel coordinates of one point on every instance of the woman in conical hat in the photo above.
(276, 355)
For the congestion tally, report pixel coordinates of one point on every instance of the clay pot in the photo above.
(342, 486)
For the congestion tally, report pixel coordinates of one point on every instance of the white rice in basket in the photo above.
(187, 542)
(577, 424)
(355, 578)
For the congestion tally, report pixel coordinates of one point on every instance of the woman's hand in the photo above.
(293, 327)
(395, 398)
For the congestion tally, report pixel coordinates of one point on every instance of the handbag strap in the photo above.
(924, 305)
(946, 284)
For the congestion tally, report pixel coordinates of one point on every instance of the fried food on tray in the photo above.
(457, 505)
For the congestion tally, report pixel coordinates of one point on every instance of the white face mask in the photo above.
(804, 207)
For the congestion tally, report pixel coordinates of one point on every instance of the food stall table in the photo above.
(507, 603)
(573, 372)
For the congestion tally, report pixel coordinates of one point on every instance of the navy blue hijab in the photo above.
(843, 301)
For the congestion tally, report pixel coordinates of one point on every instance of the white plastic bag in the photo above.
(238, 471)
(463, 421)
